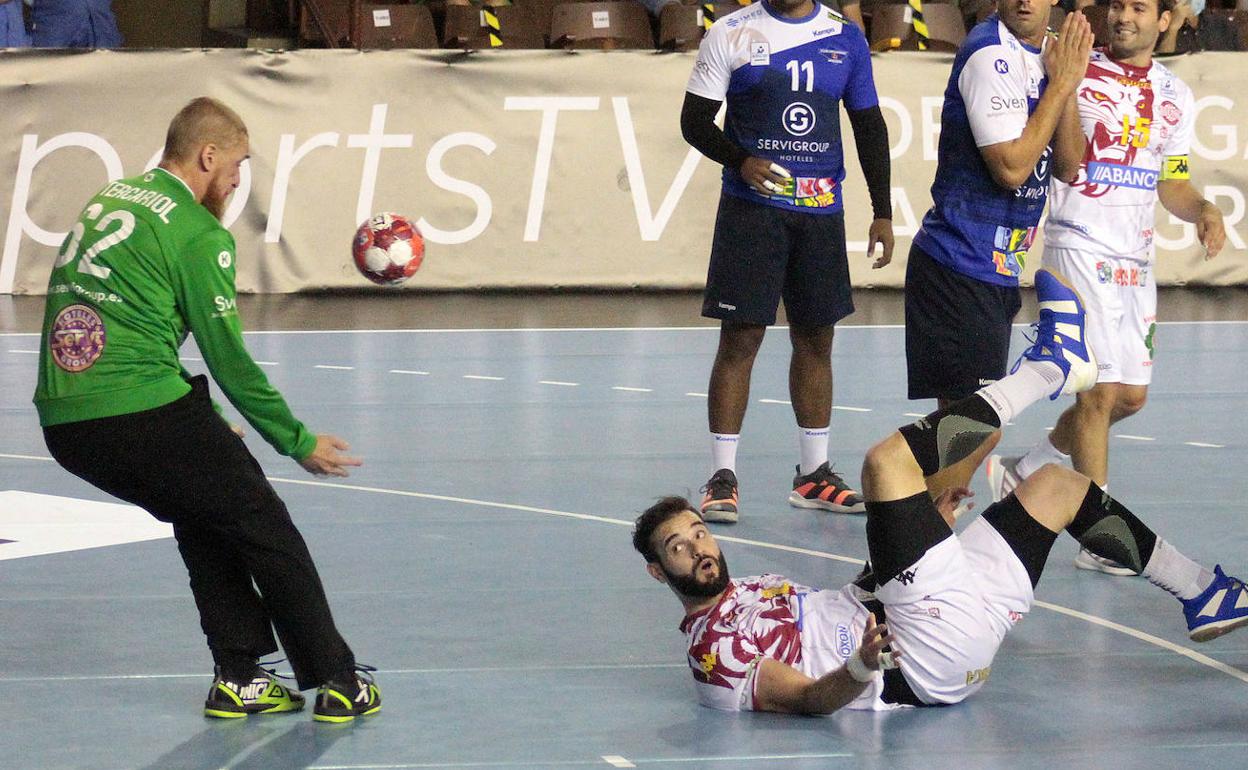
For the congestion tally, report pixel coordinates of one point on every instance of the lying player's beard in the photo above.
(689, 585)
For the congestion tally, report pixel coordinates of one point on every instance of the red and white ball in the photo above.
(388, 249)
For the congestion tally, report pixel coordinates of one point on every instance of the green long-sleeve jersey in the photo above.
(144, 265)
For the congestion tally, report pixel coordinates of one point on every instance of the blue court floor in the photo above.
(481, 560)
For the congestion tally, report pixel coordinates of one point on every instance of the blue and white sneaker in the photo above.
(1060, 334)
(1222, 608)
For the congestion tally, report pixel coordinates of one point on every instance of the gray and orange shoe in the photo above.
(719, 501)
(825, 490)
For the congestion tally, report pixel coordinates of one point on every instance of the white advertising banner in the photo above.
(533, 169)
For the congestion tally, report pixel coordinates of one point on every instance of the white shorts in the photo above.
(950, 610)
(1121, 301)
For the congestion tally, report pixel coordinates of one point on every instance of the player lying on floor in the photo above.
(944, 601)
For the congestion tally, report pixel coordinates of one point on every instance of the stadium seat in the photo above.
(389, 25)
(891, 28)
(607, 25)
(680, 26)
(469, 27)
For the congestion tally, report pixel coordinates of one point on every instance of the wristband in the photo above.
(859, 671)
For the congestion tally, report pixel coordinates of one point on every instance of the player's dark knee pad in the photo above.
(899, 532)
(949, 435)
(1106, 528)
(1030, 540)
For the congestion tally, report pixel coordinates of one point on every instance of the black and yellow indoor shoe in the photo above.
(344, 701)
(258, 694)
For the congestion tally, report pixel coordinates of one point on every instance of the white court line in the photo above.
(632, 390)
(15, 350)
(1197, 657)
(1129, 437)
(386, 671)
(491, 378)
(559, 383)
(851, 408)
(1203, 444)
(27, 457)
(697, 395)
(574, 762)
(267, 363)
(615, 760)
(334, 368)
(190, 358)
(912, 414)
(775, 401)
(409, 371)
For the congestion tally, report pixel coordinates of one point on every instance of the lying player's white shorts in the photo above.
(1121, 301)
(950, 610)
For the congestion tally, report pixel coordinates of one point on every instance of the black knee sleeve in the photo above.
(899, 532)
(1030, 540)
(951, 434)
(1106, 528)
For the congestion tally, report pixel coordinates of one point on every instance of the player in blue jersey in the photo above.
(784, 67)
(1009, 119)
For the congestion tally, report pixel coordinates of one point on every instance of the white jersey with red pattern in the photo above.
(770, 616)
(1139, 123)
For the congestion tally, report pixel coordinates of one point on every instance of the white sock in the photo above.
(1032, 381)
(1039, 456)
(814, 445)
(724, 450)
(1169, 569)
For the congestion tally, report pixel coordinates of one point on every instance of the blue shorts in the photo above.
(761, 253)
(75, 24)
(12, 28)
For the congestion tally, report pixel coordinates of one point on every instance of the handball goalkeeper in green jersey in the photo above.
(146, 263)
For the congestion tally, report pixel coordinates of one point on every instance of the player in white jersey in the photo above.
(767, 643)
(1138, 118)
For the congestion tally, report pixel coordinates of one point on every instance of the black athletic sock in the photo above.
(951, 434)
(236, 667)
(1106, 528)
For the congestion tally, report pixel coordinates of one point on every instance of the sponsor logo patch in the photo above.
(832, 55)
(799, 119)
(844, 643)
(1170, 113)
(76, 339)
(1001, 66)
(1122, 176)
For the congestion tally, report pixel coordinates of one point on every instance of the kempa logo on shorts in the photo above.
(725, 306)
(799, 119)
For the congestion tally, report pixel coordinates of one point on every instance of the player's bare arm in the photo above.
(784, 689)
(1065, 61)
(1069, 143)
(1181, 198)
